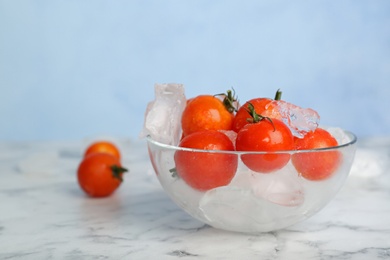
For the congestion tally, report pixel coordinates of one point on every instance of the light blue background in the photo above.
(72, 69)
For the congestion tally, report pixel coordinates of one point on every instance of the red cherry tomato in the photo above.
(242, 115)
(318, 165)
(103, 147)
(206, 170)
(100, 174)
(265, 107)
(265, 136)
(207, 112)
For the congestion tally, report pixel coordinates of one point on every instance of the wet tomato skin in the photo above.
(206, 170)
(265, 136)
(265, 107)
(319, 165)
(205, 112)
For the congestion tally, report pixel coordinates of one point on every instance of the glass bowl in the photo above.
(254, 202)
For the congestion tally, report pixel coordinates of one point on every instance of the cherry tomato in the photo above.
(318, 165)
(103, 147)
(265, 135)
(206, 170)
(207, 112)
(263, 106)
(100, 174)
(242, 116)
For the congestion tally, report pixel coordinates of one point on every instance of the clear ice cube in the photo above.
(339, 134)
(233, 209)
(299, 120)
(231, 134)
(162, 116)
(238, 209)
(283, 187)
(255, 201)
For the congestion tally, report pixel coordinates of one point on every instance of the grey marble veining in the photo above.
(44, 214)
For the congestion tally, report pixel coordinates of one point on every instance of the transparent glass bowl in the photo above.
(253, 202)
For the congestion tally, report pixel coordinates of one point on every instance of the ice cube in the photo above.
(339, 134)
(231, 134)
(299, 120)
(163, 115)
(239, 209)
(234, 209)
(283, 187)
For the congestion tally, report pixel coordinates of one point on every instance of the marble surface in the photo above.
(44, 214)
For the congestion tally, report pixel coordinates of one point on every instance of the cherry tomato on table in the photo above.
(207, 112)
(318, 165)
(265, 135)
(103, 147)
(100, 174)
(206, 170)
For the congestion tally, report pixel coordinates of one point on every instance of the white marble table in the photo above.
(44, 214)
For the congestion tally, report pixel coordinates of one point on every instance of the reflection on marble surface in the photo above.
(45, 215)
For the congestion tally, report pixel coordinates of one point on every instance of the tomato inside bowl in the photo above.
(253, 201)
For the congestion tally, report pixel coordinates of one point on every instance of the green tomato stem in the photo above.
(229, 100)
(117, 172)
(255, 118)
(173, 171)
(278, 95)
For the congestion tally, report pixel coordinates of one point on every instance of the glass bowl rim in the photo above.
(331, 148)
